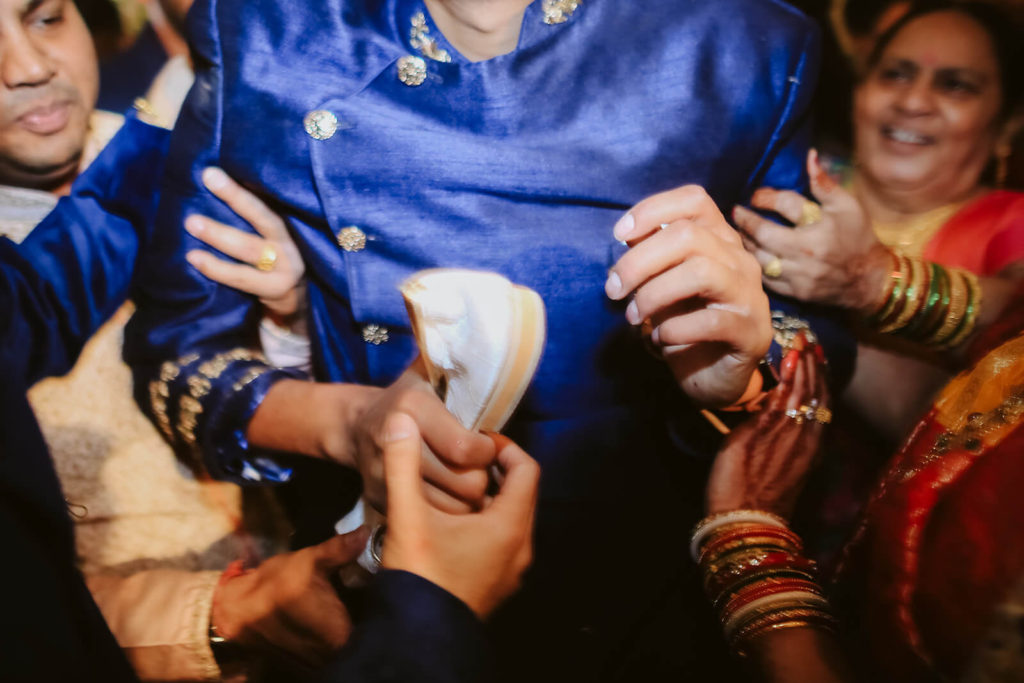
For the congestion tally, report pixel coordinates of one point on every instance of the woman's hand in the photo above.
(764, 462)
(691, 278)
(480, 557)
(834, 258)
(271, 267)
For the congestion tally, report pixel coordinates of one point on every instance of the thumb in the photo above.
(401, 448)
(341, 549)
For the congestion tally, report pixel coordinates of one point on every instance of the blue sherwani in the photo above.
(56, 288)
(389, 152)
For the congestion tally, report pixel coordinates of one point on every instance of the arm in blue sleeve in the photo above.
(192, 343)
(75, 268)
(416, 631)
(784, 163)
(784, 166)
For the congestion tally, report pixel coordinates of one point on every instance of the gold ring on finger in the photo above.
(810, 212)
(267, 259)
(773, 268)
(822, 415)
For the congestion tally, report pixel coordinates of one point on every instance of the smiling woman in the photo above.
(906, 245)
(49, 83)
(937, 102)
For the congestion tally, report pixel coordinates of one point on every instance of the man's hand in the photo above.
(454, 458)
(480, 557)
(287, 604)
(700, 290)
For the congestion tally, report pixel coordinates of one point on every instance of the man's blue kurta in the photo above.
(389, 152)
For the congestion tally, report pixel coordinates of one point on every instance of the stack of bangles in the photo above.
(756, 576)
(928, 303)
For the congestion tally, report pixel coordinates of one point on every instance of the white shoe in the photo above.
(480, 337)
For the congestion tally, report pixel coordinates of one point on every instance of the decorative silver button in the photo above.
(412, 70)
(351, 238)
(320, 124)
(375, 334)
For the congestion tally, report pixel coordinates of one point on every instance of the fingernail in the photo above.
(633, 313)
(789, 364)
(398, 428)
(613, 286)
(624, 227)
(194, 258)
(656, 336)
(194, 225)
(214, 178)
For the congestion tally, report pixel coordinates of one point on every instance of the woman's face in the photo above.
(926, 115)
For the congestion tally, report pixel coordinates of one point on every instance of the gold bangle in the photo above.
(971, 315)
(796, 614)
(958, 295)
(769, 604)
(913, 292)
(896, 289)
(827, 626)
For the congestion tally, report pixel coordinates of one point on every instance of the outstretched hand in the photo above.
(287, 604)
(834, 259)
(764, 462)
(267, 265)
(480, 557)
(701, 292)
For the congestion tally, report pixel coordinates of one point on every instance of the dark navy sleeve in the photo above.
(75, 268)
(416, 631)
(784, 166)
(193, 343)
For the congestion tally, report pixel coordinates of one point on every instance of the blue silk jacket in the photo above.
(388, 152)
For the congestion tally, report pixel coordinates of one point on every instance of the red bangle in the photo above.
(717, 585)
(751, 532)
(760, 590)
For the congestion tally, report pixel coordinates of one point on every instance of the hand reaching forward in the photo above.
(270, 267)
(479, 557)
(764, 462)
(833, 259)
(700, 290)
(287, 604)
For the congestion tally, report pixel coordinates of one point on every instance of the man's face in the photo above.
(49, 78)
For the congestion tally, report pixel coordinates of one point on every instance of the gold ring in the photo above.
(810, 213)
(773, 268)
(267, 259)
